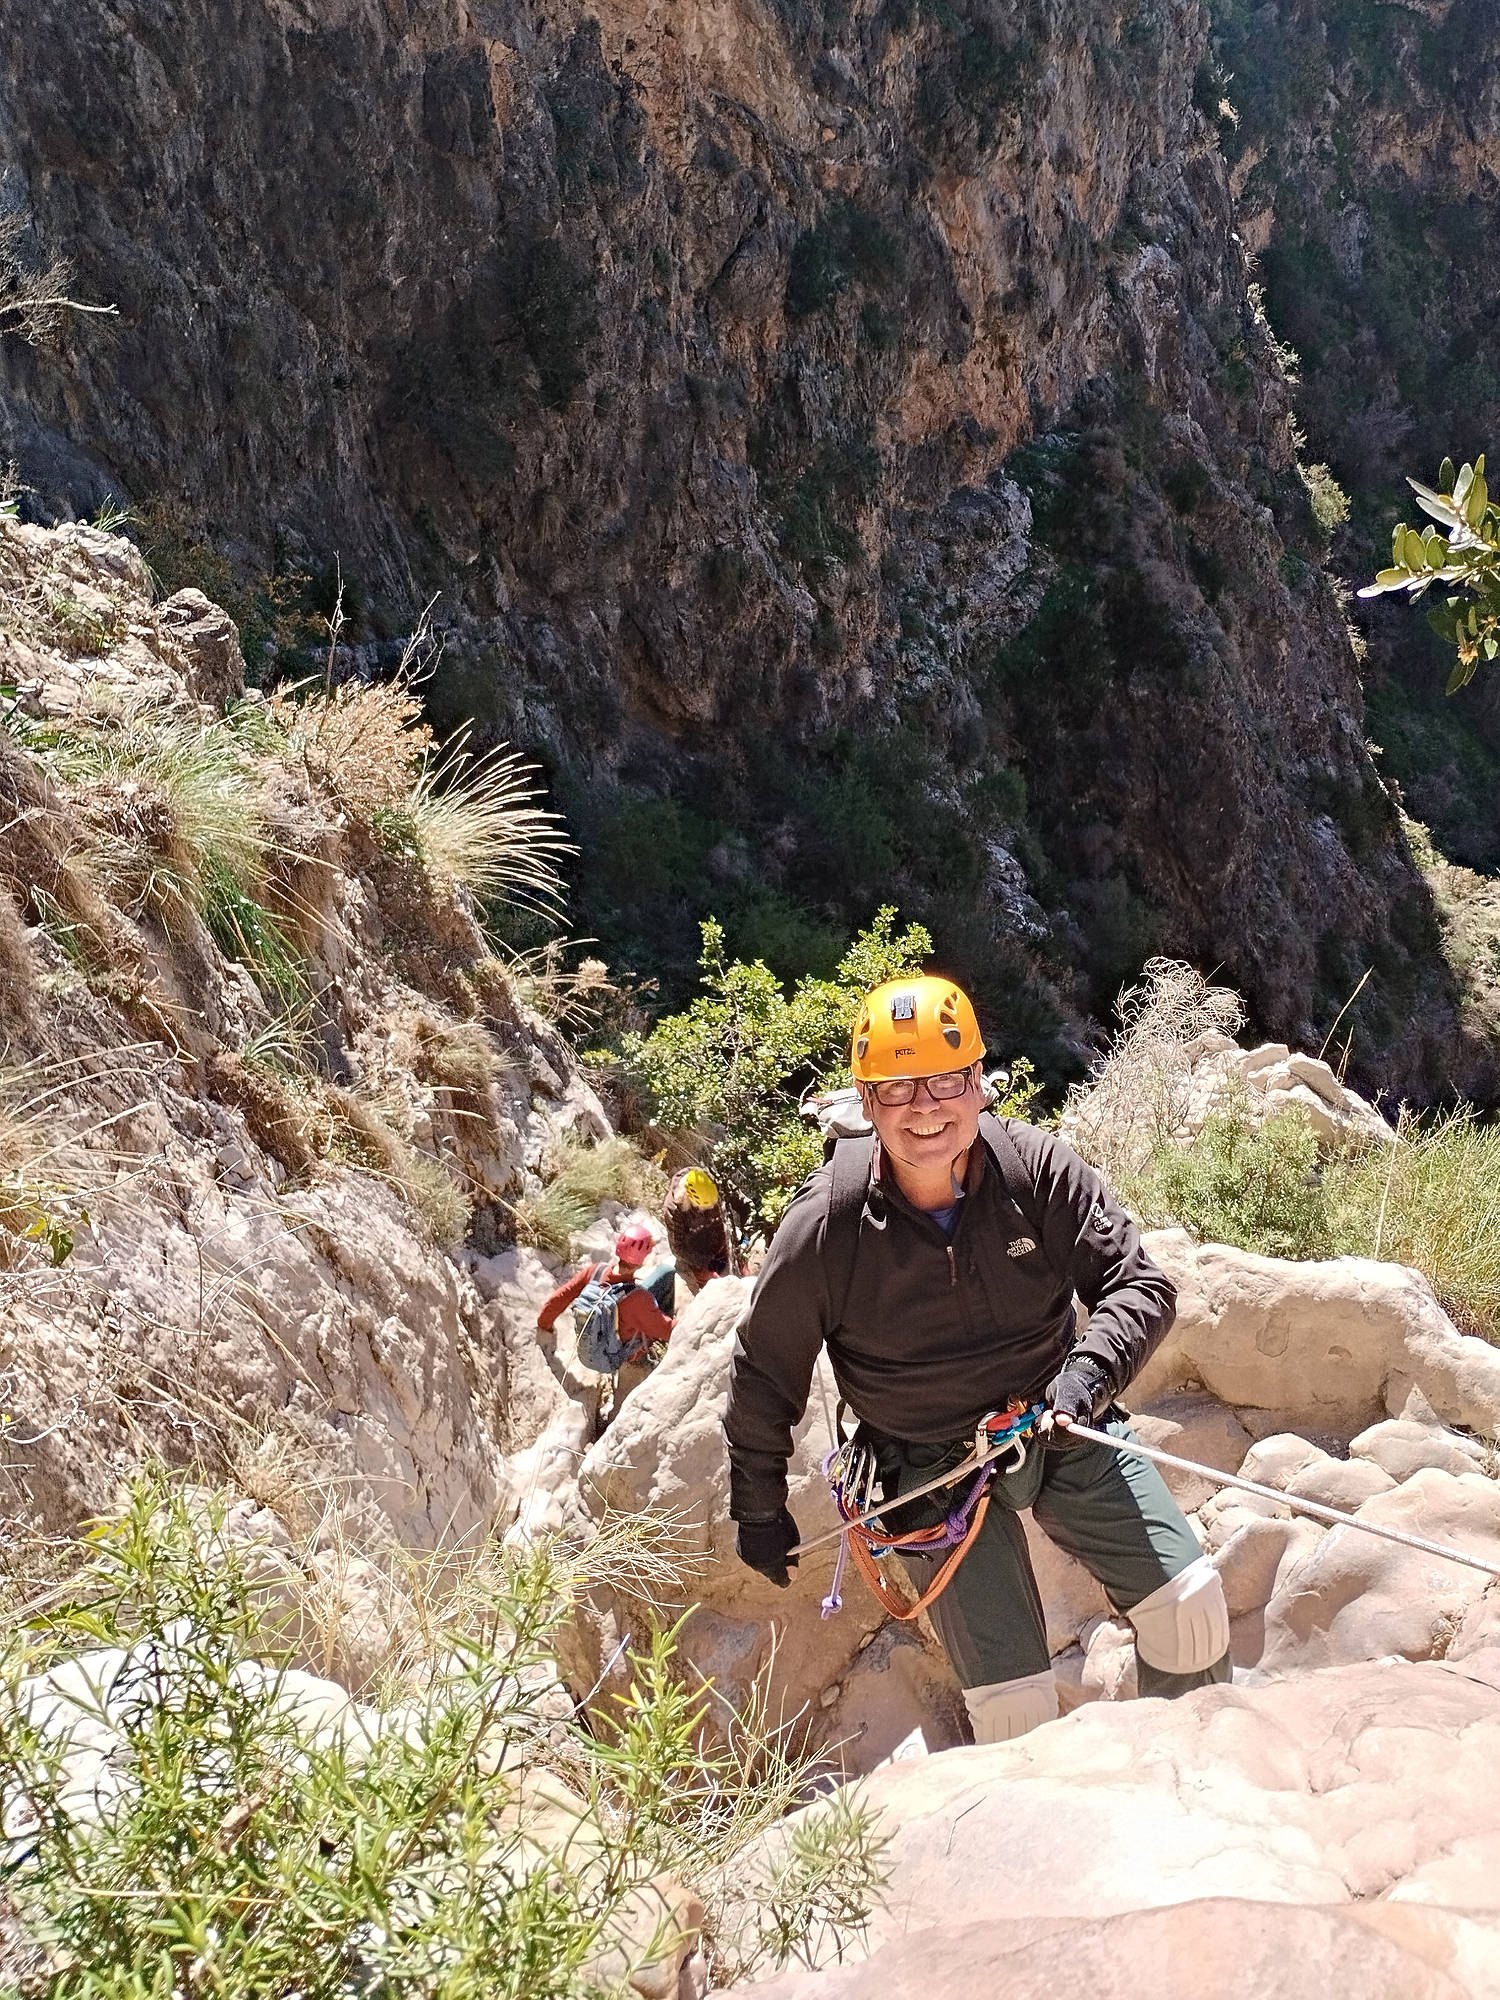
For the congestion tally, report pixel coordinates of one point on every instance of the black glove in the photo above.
(763, 1546)
(1082, 1390)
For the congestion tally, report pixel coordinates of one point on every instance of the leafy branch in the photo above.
(1461, 552)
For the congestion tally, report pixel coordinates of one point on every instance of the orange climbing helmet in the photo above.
(914, 1027)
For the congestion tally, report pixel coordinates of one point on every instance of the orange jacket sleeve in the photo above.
(557, 1302)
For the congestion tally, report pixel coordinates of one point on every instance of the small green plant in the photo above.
(242, 1840)
(246, 931)
(1462, 552)
(730, 1069)
(1258, 1187)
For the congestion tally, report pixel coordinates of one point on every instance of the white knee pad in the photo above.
(1009, 1708)
(1184, 1626)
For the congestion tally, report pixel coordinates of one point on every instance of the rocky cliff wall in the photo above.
(259, 1081)
(842, 437)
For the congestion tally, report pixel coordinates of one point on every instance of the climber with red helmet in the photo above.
(619, 1316)
(939, 1260)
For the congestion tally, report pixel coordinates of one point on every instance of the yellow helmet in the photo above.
(698, 1188)
(914, 1027)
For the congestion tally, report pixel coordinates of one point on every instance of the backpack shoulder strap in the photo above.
(1015, 1179)
(846, 1201)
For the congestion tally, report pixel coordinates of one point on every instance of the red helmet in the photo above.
(634, 1244)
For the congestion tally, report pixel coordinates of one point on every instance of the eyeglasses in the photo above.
(896, 1090)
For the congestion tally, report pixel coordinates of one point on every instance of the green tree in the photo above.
(1461, 552)
(732, 1066)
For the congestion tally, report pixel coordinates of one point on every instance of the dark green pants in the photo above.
(1113, 1513)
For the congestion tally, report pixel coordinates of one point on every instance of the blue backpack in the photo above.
(596, 1316)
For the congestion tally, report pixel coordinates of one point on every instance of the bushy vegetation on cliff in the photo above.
(186, 1814)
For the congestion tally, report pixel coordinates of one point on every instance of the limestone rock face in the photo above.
(215, 665)
(263, 1265)
(1255, 1950)
(1314, 1348)
(1357, 1598)
(1336, 1814)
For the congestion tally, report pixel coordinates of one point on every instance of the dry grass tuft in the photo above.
(363, 1136)
(362, 744)
(459, 1056)
(17, 966)
(476, 822)
(582, 1179)
(281, 1119)
(570, 997)
(1137, 1095)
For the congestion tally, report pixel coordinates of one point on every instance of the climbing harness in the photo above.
(1298, 1506)
(1001, 1440)
(1012, 1438)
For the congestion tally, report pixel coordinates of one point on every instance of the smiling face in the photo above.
(925, 1138)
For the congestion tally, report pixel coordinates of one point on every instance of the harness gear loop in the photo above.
(1000, 1445)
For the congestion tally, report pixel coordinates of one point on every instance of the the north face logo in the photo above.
(1022, 1247)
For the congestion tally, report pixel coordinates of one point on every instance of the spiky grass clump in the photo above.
(477, 822)
(162, 800)
(460, 1056)
(1432, 1201)
(472, 821)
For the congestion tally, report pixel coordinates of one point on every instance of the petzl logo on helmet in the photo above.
(903, 1006)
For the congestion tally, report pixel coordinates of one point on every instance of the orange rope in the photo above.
(860, 1540)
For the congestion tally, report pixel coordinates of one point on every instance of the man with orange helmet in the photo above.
(939, 1261)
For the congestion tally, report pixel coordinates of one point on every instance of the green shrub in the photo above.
(557, 311)
(845, 245)
(731, 1068)
(1432, 1200)
(244, 1844)
(1258, 1188)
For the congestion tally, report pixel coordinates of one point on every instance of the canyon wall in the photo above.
(843, 439)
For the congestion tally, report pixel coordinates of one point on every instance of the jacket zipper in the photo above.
(952, 1268)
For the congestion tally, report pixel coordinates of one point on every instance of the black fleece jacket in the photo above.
(936, 1333)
